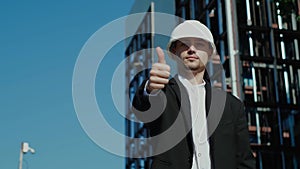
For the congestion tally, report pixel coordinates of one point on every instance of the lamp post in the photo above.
(24, 149)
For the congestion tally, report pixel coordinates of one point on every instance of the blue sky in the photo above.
(39, 44)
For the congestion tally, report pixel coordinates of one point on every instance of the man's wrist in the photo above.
(149, 91)
(148, 88)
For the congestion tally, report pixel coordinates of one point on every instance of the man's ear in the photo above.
(172, 52)
(211, 51)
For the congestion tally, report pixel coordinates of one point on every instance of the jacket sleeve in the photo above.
(147, 108)
(245, 159)
(140, 101)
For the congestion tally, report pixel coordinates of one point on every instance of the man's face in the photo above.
(193, 52)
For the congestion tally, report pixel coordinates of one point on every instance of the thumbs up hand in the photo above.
(159, 74)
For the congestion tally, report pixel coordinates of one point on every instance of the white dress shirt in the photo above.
(201, 157)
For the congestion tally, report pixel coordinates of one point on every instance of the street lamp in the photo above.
(24, 149)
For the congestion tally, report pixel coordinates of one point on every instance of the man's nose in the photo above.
(191, 50)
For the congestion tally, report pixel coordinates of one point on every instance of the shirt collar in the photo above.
(186, 81)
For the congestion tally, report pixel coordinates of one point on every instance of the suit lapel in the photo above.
(207, 107)
(183, 100)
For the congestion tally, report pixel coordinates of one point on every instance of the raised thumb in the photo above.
(161, 55)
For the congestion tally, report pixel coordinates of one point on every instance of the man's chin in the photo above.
(197, 68)
(192, 67)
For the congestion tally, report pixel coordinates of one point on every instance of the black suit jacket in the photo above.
(229, 140)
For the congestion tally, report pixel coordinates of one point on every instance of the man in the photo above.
(216, 137)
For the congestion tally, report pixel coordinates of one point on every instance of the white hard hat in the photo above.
(192, 28)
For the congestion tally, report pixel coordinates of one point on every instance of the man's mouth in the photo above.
(192, 57)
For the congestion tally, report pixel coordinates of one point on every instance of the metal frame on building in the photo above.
(270, 79)
(258, 46)
(140, 55)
